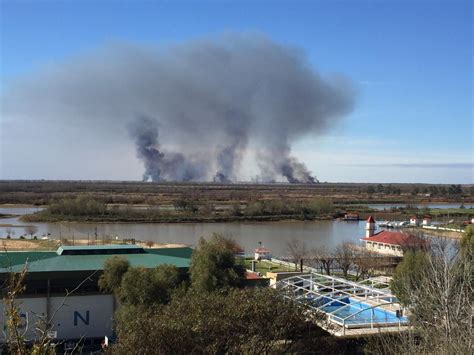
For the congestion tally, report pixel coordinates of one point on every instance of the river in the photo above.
(273, 235)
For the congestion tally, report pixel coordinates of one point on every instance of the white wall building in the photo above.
(388, 242)
(262, 254)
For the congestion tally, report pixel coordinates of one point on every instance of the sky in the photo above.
(411, 64)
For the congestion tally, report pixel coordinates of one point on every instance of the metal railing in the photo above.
(321, 292)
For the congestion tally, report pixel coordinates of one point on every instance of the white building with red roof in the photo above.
(414, 221)
(370, 227)
(262, 253)
(390, 242)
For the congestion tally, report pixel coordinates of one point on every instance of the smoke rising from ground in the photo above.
(192, 109)
(160, 166)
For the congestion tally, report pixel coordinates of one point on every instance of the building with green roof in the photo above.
(87, 313)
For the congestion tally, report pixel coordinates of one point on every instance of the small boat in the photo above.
(351, 217)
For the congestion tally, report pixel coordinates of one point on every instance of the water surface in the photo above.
(274, 235)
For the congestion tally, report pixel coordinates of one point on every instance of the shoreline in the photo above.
(336, 203)
(27, 218)
(52, 244)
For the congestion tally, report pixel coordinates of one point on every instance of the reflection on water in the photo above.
(274, 235)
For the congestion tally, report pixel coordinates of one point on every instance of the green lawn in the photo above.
(264, 266)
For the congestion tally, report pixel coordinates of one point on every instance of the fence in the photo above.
(443, 228)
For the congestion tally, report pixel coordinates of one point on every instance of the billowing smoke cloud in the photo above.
(158, 165)
(194, 109)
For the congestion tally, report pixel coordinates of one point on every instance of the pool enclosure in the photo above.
(346, 304)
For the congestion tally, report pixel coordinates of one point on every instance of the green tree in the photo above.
(245, 321)
(408, 274)
(455, 190)
(186, 204)
(467, 243)
(139, 286)
(142, 286)
(388, 189)
(213, 265)
(114, 269)
(320, 206)
(434, 190)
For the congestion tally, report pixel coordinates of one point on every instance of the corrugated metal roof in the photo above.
(52, 262)
(20, 257)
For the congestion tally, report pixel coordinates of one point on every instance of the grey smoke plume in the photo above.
(202, 103)
(159, 166)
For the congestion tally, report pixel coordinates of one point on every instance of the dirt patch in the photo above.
(161, 245)
(23, 244)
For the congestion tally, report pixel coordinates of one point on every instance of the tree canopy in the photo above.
(233, 321)
(139, 286)
(437, 286)
(213, 265)
(114, 269)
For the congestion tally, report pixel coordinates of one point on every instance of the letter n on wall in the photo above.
(78, 316)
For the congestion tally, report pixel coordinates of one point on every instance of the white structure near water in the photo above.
(414, 221)
(262, 253)
(388, 242)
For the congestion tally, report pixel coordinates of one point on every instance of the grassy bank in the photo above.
(110, 192)
(264, 266)
(53, 244)
(268, 211)
(28, 244)
(86, 209)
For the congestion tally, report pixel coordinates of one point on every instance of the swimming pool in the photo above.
(354, 313)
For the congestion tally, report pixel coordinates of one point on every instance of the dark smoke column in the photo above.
(145, 133)
(160, 166)
(208, 104)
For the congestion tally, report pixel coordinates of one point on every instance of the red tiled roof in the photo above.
(262, 250)
(371, 220)
(396, 238)
(252, 276)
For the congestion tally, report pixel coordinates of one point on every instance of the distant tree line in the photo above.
(434, 190)
(88, 207)
(308, 209)
(46, 192)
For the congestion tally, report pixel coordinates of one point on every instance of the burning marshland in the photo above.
(194, 110)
